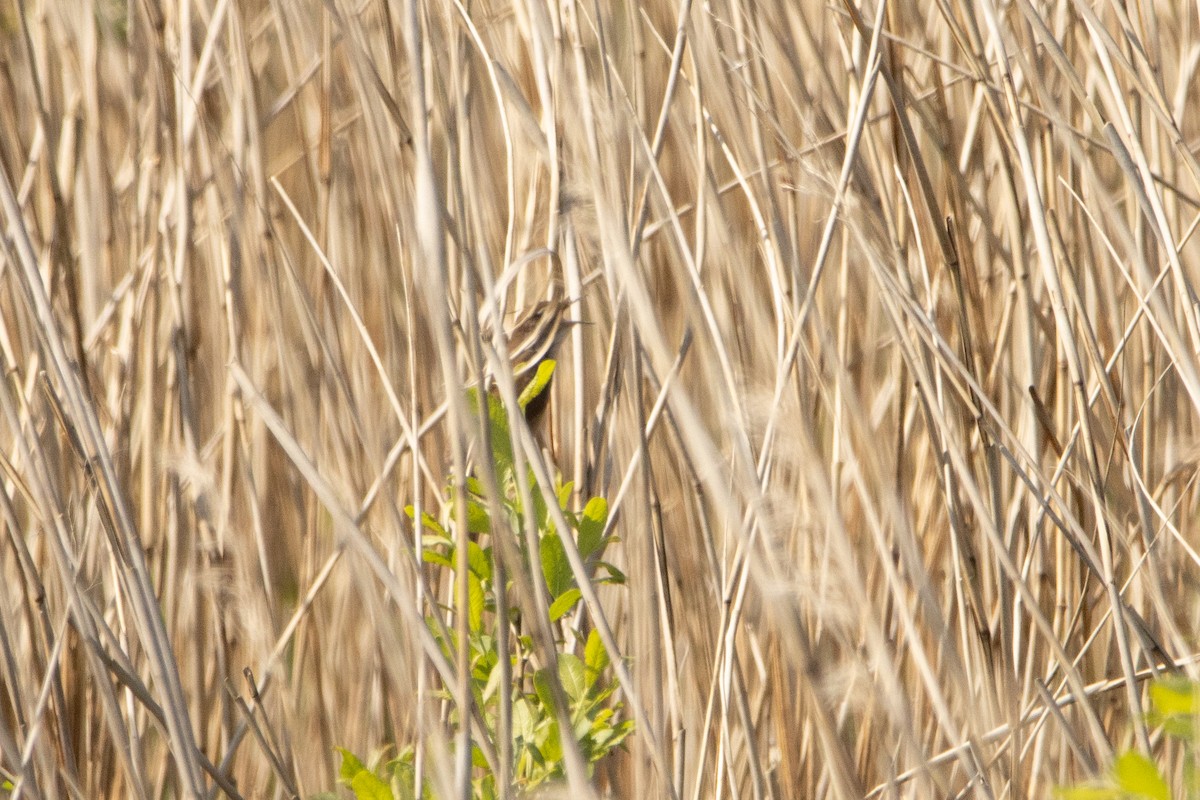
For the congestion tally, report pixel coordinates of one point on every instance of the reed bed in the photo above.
(884, 357)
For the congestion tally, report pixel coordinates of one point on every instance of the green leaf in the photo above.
(493, 683)
(1138, 775)
(428, 521)
(601, 692)
(581, 730)
(351, 766)
(485, 787)
(591, 527)
(478, 519)
(614, 577)
(1174, 696)
(541, 686)
(601, 720)
(541, 379)
(573, 675)
(403, 776)
(563, 604)
(365, 784)
(478, 561)
(555, 567)
(524, 722)
(551, 748)
(438, 557)
(483, 657)
(540, 512)
(502, 449)
(437, 540)
(369, 786)
(477, 599)
(595, 656)
(1191, 777)
(621, 732)
(502, 446)
(1177, 726)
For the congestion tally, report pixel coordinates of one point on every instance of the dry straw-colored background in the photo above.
(887, 365)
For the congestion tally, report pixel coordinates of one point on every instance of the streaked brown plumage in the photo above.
(532, 339)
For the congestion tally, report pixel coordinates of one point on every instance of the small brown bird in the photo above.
(532, 339)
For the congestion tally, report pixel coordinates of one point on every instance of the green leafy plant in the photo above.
(1175, 708)
(583, 662)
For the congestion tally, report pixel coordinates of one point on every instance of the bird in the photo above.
(532, 339)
